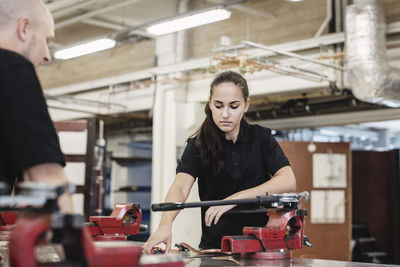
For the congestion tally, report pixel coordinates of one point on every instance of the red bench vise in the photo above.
(284, 231)
(76, 240)
(124, 221)
(77, 245)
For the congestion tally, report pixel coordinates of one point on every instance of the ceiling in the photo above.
(77, 20)
(80, 20)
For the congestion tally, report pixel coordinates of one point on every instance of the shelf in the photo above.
(75, 158)
(130, 160)
(133, 189)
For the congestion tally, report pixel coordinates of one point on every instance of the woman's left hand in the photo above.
(214, 213)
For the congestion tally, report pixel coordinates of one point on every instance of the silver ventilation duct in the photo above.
(369, 75)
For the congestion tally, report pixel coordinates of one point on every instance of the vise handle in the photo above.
(287, 200)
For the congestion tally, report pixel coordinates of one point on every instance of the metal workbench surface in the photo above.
(48, 254)
(191, 260)
(295, 262)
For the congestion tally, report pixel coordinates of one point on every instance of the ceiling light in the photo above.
(85, 48)
(294, 0)
(189, 21)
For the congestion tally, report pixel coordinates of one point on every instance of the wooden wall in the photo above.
(293, 21)
(392, 10)
(329, 241)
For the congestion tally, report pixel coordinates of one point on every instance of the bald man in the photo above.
(29, 145)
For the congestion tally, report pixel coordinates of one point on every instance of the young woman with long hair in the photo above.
(231, 159)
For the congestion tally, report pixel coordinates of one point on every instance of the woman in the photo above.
(231, 160)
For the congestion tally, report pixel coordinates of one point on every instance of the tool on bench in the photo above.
(67, 230)
(32, 197)
(7, 220)
(37, 197)
(284, 231)
(7, 224)
(37, 208)
(40, 224)
(123, 222)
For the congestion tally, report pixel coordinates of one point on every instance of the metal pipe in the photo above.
(91, 14)
(58, 5)
(327, 18)
(73, 110)
(78, 101)
(290, 54)
(370, 76)
(66, 11)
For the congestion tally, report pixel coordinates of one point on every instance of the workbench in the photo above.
(48, 254)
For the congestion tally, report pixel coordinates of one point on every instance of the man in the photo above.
(29, 145)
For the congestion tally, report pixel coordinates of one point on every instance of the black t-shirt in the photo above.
(27, 136)
(247, 163)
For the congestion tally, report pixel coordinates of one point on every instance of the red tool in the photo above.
(78, 245)
(7, 224)
(7, 218)
(41, 219)
(284, 231)
(124, 221)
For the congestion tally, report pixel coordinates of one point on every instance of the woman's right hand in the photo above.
(163, 234)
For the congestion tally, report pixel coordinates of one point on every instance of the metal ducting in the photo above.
(369, 75)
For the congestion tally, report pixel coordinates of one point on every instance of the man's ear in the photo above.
(24, 26)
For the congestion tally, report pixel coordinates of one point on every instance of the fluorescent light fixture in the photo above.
(85, 48)
(189, 21)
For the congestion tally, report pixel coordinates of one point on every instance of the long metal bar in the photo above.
(74, 110)
(75, 100)
(92, 13)
(72, 8)
(181, 205)
(327, 18)
(290, 54)
(58, 5)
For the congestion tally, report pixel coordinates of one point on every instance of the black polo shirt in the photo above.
(27, 136)
(247, 163)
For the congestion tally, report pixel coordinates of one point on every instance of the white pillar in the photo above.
(174, 120)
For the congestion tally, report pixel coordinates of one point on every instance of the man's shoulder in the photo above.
(10, 58)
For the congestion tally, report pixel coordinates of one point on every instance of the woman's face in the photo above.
(227, 106)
